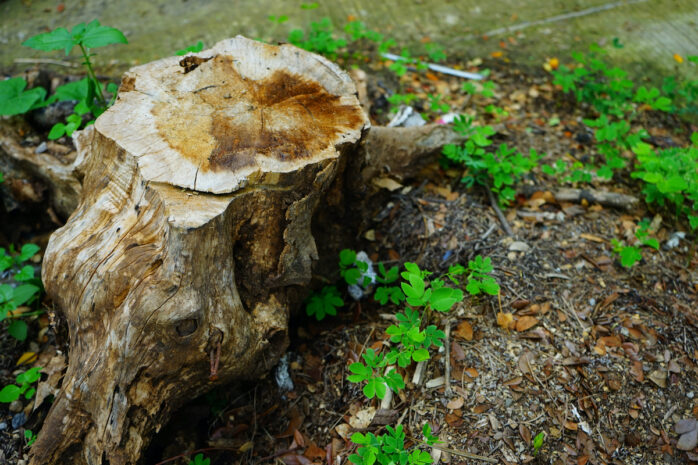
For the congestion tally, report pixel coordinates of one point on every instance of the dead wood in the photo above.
(192, 238)
(607, 199)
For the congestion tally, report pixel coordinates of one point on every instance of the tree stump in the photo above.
(192, 238)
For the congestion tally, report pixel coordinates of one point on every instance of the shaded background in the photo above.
(652, 31)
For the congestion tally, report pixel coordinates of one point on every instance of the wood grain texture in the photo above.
(192, 236)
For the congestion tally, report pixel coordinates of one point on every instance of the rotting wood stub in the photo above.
(248, 114)
(231, 120)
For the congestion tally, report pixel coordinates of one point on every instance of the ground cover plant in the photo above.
(88, 92)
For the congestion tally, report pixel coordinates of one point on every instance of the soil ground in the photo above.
(601, 359)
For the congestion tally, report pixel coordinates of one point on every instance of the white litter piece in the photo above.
(439, 68)
(282, 376)
(406, 117)
(358, 291)
(674, 240)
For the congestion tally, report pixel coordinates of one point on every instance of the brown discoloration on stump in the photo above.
(284, 117)
(163, 288)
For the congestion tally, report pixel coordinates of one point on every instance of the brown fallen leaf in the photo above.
(525, 434)
(456, 403)
(457, 352)
(453, 420)
(295, 459)
(513, 381)
(464, 331)
(298, 440)
(526, 322)
(572, 426)
(658, 377)
(610, 341)
(526, 362)
(637, 372)
(314, 452)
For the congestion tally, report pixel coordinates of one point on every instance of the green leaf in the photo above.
(672, 184)
(199, 46)
(76, 90)
(10, 393)
(96, 35)
(420, 355)
(18, 330)
(347, 257)
(14, 100)
(489, 285)
(444, 298)
(23, 293)
(27, 252)
(58, 39)
(30, 376)
(629, 256)
(57, 131)
(473, 286)
(6, 292)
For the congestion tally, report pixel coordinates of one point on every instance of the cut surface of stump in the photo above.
(192, 238)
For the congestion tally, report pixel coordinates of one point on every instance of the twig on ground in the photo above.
(447, 390)
(607, 199)
(46, 61)
(498, 211)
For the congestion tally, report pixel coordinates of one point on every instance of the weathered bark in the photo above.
(39, 178)
(192, 239)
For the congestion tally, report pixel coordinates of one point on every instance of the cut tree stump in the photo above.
(193, 236)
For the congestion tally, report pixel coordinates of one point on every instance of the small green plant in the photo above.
(436, 104)
(499, 170)
(30, 437)
(196, 48)
(538, 442)
(199, 459)
(670, 177)
(479, 279)
(384, 292)
(12, 392)
(320, 39)
(413, 336)
(25, 289)
(351, 269)
(372, 372)
(91, 97)
(15, 100)
(389, 448)
(435, 52)
(396, 100)
(323, 303)
(357, 30)
(631, 254)
(484, 89)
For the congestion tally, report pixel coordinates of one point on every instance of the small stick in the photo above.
(500, 215)
(46, 61)
(447, 390)
(388, 399)
(418, 375)
(457, 452)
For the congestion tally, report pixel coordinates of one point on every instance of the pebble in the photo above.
(16, 406)
(3, 426)
(41, 148)
(18, 420)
